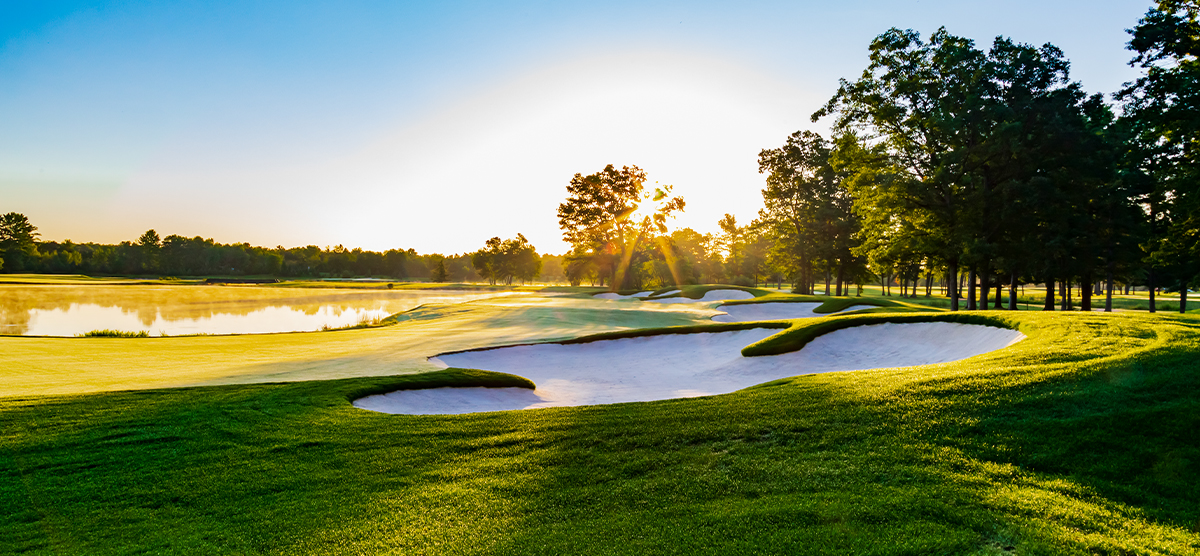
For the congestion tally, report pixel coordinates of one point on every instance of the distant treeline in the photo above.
(178, 256)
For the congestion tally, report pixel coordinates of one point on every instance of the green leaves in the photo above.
(507, 259)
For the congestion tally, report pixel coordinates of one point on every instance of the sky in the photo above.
(437, 125)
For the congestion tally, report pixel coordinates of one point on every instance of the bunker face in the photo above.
(711, 295)
(683, 365)
(774, 311)
(610, 295)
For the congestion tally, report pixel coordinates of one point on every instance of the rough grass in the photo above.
(106, 333)
(1082, 439)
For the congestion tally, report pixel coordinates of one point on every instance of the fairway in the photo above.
(33, 366)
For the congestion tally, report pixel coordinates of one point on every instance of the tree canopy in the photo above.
(602, 221)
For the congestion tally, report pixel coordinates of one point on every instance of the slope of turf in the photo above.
(39, 365)
(1082, 439)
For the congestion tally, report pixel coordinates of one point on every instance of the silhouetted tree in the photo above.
(598, 219)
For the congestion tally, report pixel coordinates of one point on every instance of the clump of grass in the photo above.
(106, 333)
(364, 321)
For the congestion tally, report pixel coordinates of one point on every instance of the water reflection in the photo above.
(174, 310)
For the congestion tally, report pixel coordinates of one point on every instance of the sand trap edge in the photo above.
(807, 330)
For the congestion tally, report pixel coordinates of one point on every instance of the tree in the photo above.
(502, 260)
(18, 239)
(601, 219)
(808, 210)
(150, 244)
(993, 161)
(1163, 108)
(920, 106)
(438, 273)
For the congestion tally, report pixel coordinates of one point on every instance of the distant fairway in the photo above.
(35, 366)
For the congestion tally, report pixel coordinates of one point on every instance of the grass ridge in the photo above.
(804, 331)
(453, 377)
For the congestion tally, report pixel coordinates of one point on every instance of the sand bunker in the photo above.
(611, 295)
(710, 295)
(775, 311)
(683, 365)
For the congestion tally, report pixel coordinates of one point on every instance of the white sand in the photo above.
(710, 295)
(683, 365)
(610, 295)
(774, 311)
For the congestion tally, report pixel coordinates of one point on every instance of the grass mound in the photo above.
(804, 331)
(697, 291)
(828, 304)
(445, 378)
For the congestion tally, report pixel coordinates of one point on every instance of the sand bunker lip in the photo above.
(710, 295)
(610, 295)
(683, 365)
(776, 311)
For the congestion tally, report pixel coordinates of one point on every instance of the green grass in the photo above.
(106, 333)
(804, 331)
(1082, 439)
(452, 377)
(829, 304)
(48, 365)
(697, 291)
(1033, 297)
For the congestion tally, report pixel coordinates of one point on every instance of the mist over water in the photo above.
(180, 310)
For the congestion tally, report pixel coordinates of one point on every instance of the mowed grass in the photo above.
(45, 365)
(1082, 439)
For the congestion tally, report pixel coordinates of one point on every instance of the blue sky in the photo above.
(436, 125)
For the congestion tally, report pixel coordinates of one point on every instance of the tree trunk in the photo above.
(1012, 291)
(1085, 293)
(999, 291)
(928, 284)
(841, 279)
(971, 290)
(1065, 288)
(1150, 283)
(1109, 290)
(951, 283)
(827, 281)
(1049, 305)
(1182, 296)
(985, 285)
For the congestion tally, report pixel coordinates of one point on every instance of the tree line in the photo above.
(174, 255)
(975, 169)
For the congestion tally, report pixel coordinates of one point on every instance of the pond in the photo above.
(56, 310)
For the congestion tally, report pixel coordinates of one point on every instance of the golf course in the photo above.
(1081, 438)
(600, 278)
